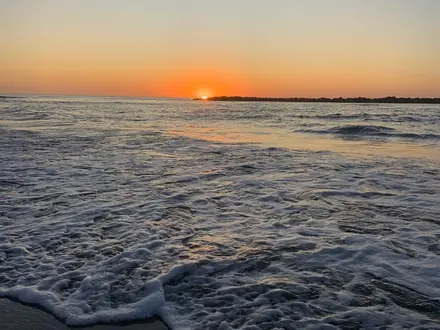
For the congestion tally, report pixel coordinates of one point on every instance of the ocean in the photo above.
(222, 215)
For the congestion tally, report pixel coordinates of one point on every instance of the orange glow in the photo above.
(38, 71)
(145, 49)
(204, 97)
(208, 82)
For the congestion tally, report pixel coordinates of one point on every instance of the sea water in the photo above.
(217, 215)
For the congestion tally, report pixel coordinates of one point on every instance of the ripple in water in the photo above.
(212, 217)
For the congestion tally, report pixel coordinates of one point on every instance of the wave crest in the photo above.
(372, 131)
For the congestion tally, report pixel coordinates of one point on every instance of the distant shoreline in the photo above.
(3, 97)
(389, 99)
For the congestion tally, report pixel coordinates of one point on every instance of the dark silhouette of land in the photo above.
(388, 99)
(2, 97)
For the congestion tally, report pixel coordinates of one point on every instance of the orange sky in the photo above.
(186, 49)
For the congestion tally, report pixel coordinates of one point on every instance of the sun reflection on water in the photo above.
(271, 137)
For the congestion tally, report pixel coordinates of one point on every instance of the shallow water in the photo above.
(222, 215)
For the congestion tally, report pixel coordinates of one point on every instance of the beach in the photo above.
(16, 316)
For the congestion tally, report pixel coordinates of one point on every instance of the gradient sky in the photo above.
(186, 48)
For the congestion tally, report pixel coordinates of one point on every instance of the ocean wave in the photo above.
(372, 131)
(383, 117)
(360, 130)
(108, 220)
(331, 116)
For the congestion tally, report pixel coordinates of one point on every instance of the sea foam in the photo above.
(109, 213)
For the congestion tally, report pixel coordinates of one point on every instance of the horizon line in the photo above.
(96, 95)
(221, 96)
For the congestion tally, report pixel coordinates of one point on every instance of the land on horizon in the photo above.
(388, 99)
(359, 99)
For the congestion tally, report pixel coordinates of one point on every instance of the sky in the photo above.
(177, 48)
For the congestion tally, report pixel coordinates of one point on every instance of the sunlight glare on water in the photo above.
(275, 137)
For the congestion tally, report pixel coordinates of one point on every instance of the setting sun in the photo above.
(204, 97)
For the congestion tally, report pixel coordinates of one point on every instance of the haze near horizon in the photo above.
(194, 48)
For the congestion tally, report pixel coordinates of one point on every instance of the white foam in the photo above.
(72, 311)
(106, 218)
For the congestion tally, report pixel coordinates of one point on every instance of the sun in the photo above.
(203, 93)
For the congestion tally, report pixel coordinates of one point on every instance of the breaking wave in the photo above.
(372, 131)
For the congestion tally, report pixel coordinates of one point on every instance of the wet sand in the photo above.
(16, 316)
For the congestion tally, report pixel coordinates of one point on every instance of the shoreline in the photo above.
(361, 100)
(18, 316)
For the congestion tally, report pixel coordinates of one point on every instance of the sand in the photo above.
(16, 316)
